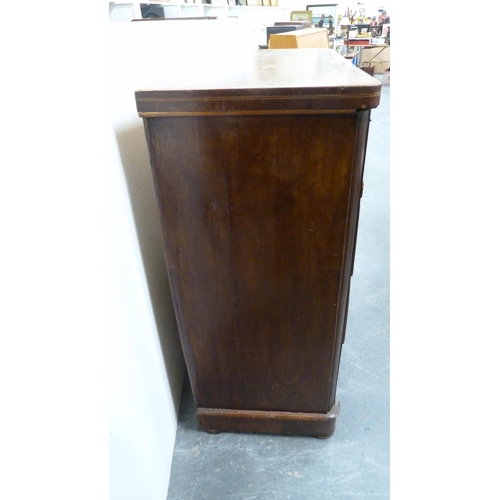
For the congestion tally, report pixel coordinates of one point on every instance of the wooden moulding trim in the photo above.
(271, 415)
(154, 105)
(160, 114)
(320, 425)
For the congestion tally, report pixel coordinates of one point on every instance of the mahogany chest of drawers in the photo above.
(258, 162)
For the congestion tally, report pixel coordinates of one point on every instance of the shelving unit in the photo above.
(256, 14)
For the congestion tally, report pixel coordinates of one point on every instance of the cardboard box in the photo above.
(300, 39)
(273, 30)
(377, 56)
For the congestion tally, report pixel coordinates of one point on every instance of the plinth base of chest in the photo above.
(321, 425)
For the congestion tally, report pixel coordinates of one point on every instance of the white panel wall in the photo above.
(144, 385)
(146, 363)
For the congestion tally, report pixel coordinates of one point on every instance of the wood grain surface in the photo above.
(265, 81)
(259, 215)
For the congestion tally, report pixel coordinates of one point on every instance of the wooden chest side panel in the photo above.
(193, 208)
(256, 221)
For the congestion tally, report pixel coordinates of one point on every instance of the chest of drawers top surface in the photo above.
(311, 80)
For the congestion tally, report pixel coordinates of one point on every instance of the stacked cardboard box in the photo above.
(377, 57)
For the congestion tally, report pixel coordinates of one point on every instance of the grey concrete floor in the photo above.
(354, 462)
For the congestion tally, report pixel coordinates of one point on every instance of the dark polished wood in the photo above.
(319, 425)
(258, 168)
